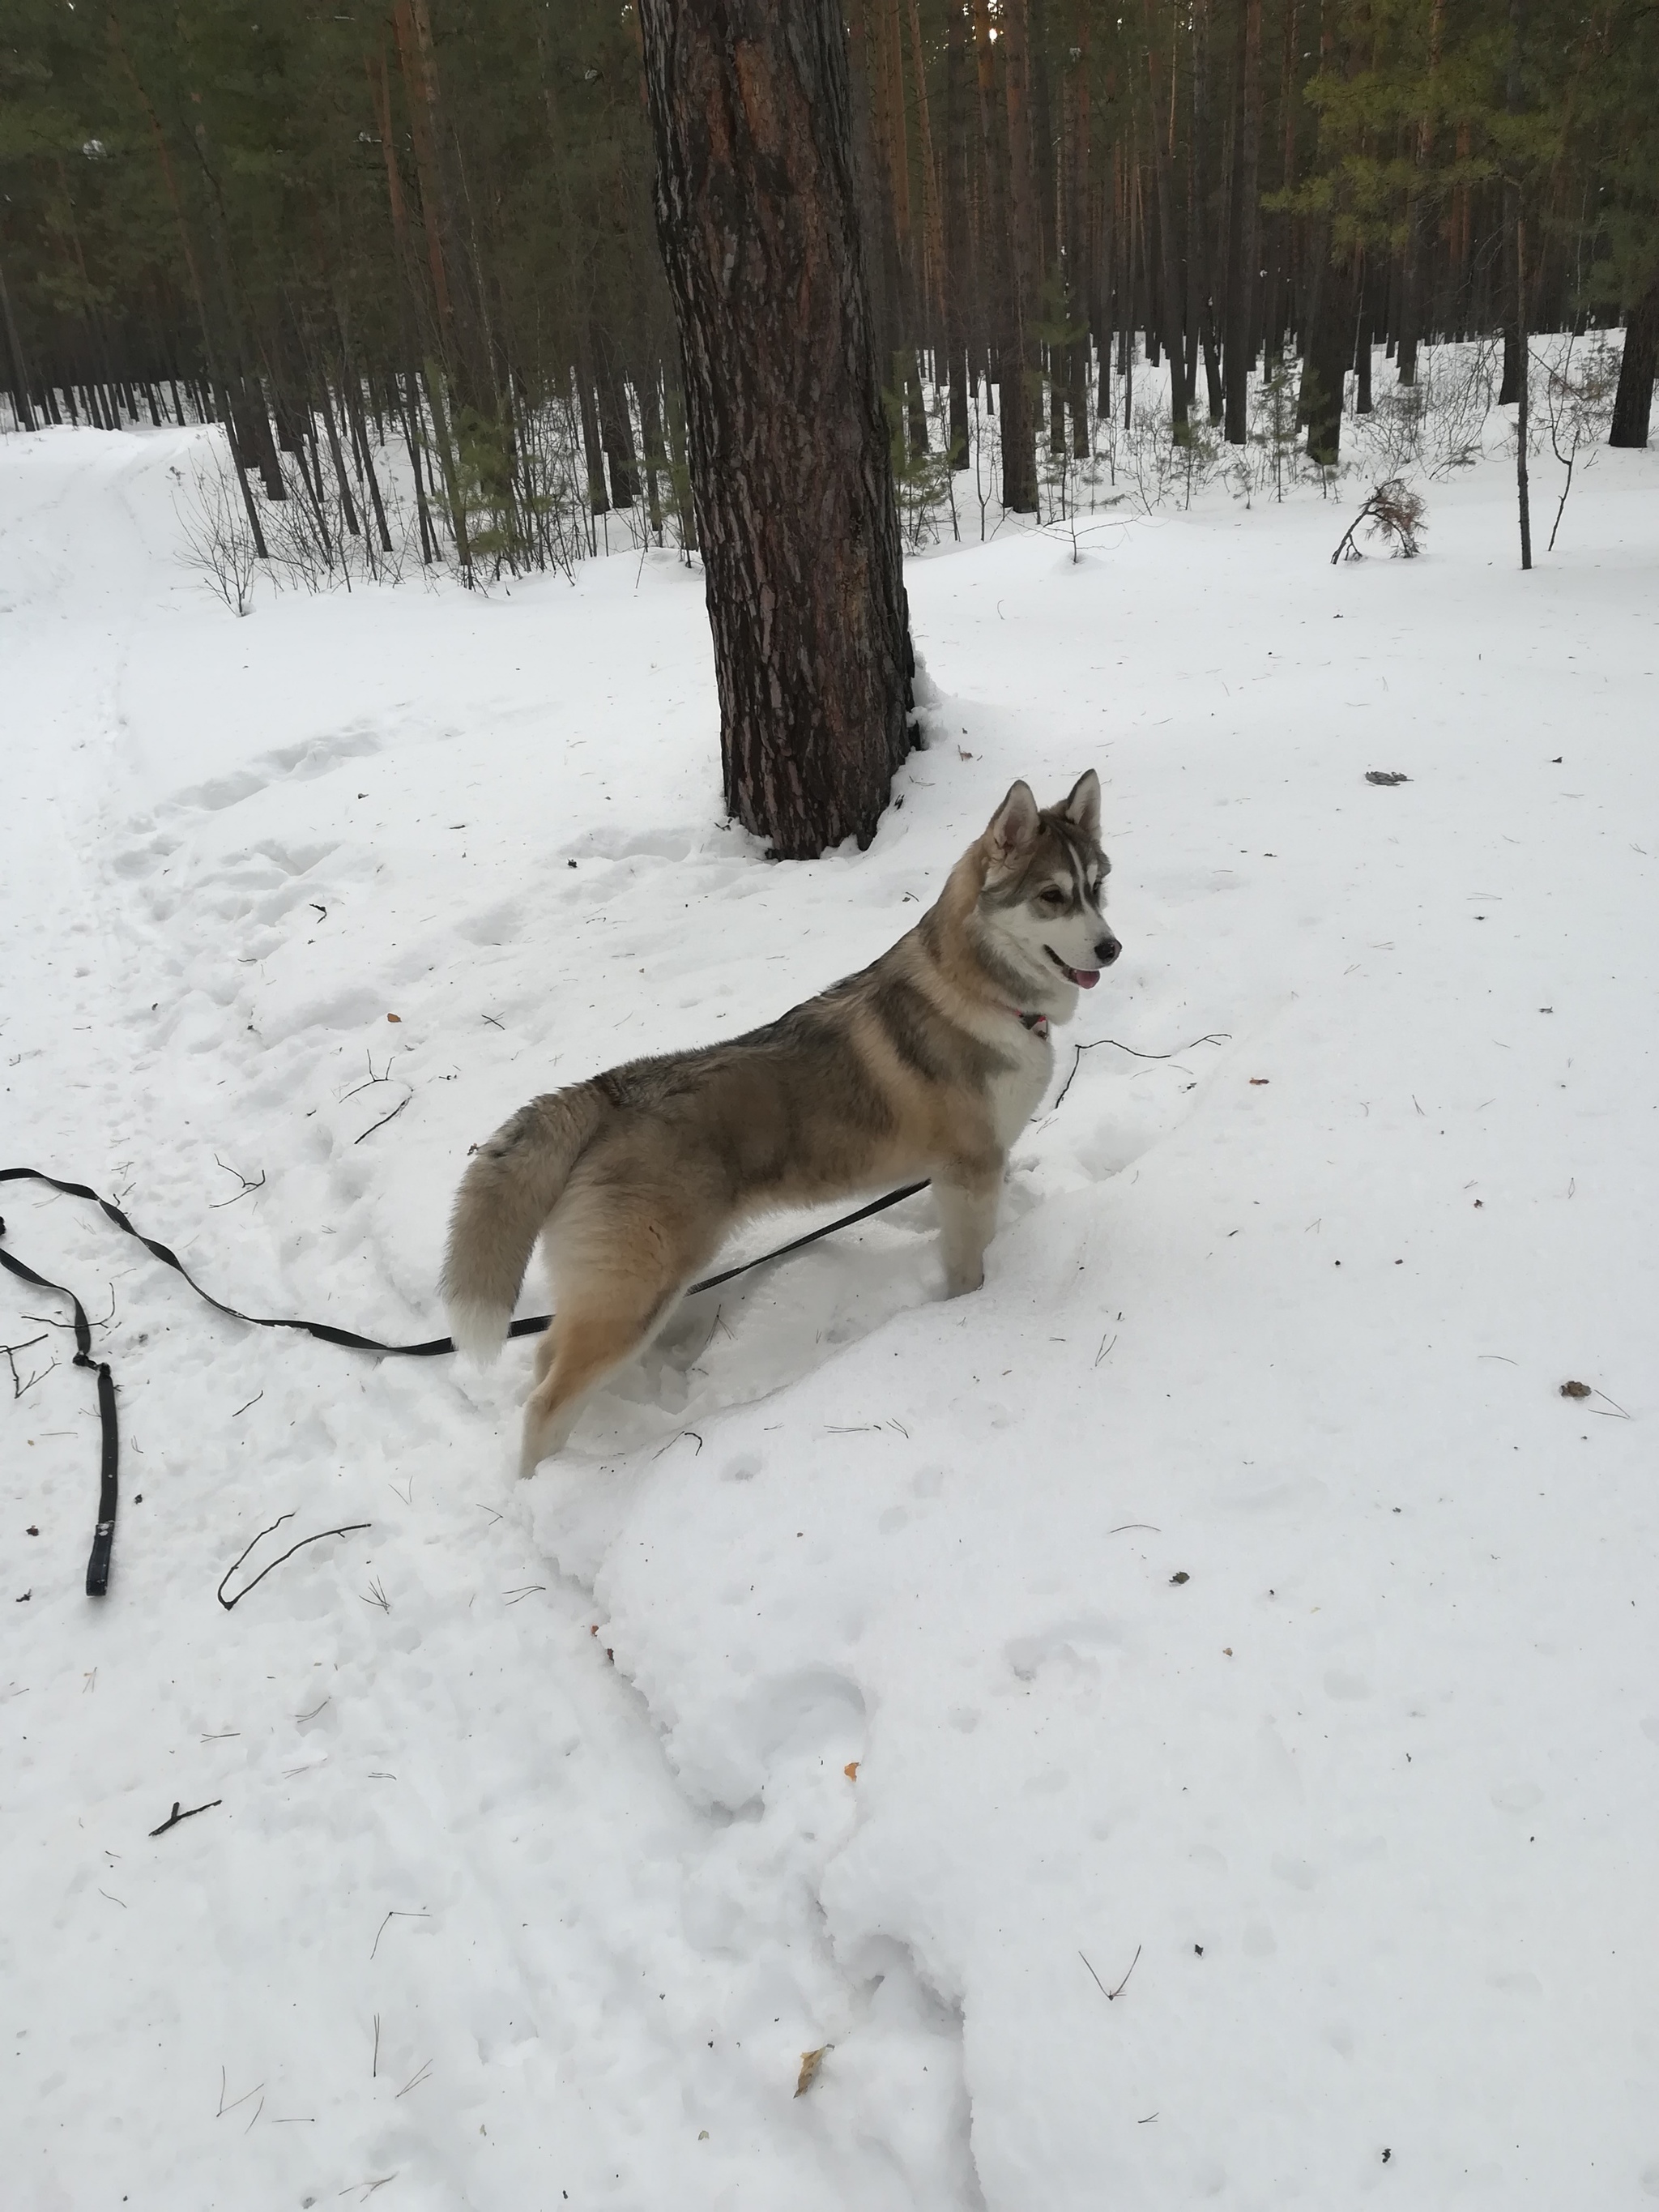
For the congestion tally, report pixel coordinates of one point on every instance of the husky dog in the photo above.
(927, 1063)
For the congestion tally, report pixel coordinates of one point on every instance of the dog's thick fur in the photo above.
(927, 1064)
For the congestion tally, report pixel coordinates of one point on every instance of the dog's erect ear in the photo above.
(1012, 828)
(1083, 807)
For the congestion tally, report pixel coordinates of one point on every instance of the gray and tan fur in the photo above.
(928, 1063)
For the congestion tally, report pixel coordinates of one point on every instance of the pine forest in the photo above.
(406, 254)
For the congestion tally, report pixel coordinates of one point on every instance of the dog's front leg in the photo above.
(967, 1192)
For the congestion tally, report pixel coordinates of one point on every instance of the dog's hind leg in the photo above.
(582, 1347)
(967, 1192)
(604, 1315)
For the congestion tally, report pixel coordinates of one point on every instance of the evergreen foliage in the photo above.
(429, 222)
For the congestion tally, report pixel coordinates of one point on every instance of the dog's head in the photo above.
(1045, 877)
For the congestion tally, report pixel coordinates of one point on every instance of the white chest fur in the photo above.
(1014, 1095)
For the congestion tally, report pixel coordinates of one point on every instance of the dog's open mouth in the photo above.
(1084, 978)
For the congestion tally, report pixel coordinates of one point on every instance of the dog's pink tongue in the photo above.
(1086, 978)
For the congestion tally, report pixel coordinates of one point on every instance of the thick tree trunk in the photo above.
(19, 388)
(616, 428)
(791, 472)
(1171, 320)
(1021, 374)
(957, 258)
(593, 443)
(1019, 489)
(1328, 349)
(1238, 343)
(1632, 406)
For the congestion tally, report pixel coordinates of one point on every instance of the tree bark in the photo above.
(1170, 291)
(1238, 343)
(957, 258)
(20, 407)
(791, 470)
(1328, 349)
(1021, 385)
(1632, 406)
(1524, 385)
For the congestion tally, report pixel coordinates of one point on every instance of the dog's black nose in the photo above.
(1107, 951)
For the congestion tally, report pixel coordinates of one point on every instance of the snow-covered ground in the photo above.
(1224, 1609)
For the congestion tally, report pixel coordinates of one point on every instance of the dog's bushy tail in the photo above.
(512, 1184)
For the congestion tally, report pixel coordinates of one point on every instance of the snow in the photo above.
(1223, 1609)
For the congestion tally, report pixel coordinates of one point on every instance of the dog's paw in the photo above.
(958, 1282)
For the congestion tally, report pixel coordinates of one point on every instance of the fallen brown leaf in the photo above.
(809, 2063)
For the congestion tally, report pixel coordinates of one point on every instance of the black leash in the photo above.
(103, 1536)
(325, 1332)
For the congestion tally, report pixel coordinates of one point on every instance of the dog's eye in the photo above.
(1053, 898)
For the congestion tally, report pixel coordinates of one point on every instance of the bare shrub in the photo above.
(218, 535)
(1578, 408)
(1438, 423)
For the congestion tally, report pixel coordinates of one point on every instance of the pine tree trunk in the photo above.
(1238, 342)
(1020, 374)
(644, 384)
(1081, 311)
(592, 445)
(616, 426)
(956, 270)
(1633, 407)
(791, 468)
(1169, 285)
(1328, 349)
(19, 389)
(1014, 411)
(1524, 383)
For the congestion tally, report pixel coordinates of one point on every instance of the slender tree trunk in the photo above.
(1515, 307)
(791, 468)
(1239, 338)
(1081, 310)
(1328, 349)
(1018, 459)
(1169, 300)
(592, 442)
(616, 428)
(354, 404)
(1523, 492)
(956, 245)
(347, 508)
(651, 437)
(1019, 476)
(1362, 345)
(411, 430)
(20, 375)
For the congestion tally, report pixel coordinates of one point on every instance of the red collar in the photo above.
(1037, 1024)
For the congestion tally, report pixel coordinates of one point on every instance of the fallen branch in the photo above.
(175, 1816)
(1216, 1036)
(383, 1119)
(17, 1387)
(231, 1603)
(241, 1178)
(1393, 510)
